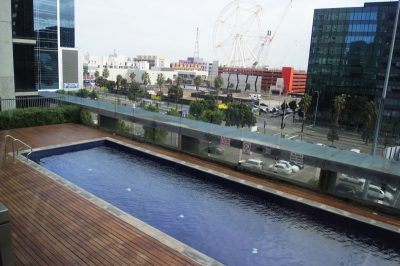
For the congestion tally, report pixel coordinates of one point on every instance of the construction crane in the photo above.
(269, 37)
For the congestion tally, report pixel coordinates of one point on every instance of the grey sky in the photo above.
(168, 27)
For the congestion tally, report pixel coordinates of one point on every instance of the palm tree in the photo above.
(304, 104)
(132, 76)
(160, 80)
(106, 73)
(218, 83)
(197, 82)
(146, 78)
(293, 107)
(368, 114)
(338, 105)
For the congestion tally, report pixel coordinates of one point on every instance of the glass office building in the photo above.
(349, 53)
(48, 28)
(67, 23)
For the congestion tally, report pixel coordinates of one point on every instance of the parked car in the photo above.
(375, 192)
(214, 150)
(281, 168)
(294, 168)
(255, 96)
(300, 166)
(355, 185)
(252, 163)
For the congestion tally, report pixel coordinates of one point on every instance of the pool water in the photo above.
(234, 225)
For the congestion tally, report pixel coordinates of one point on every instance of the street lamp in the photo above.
(385, 85)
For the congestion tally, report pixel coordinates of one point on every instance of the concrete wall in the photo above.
(7, 88)
(255, 84)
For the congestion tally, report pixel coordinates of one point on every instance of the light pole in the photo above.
(385, 85)
(316, 108)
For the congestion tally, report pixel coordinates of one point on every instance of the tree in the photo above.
(173, 112)
(198, 107)
(175, 92)
(132, 76)
(135, 91)
(197, 82)
(293, 107)
(100, 82)
(178, 81)
(119, 81)
(106, 73)
(247, 88)
(368, 115)
(339, 104)
(152, 133)
(160, 80)
(304, 104)
(218, 83)
(239, 115)
(110, 84)
(145, 78)
(212, 116)
(96, 74)
(85, 72)
(284, 106)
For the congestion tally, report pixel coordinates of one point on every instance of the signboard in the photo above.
(246, 147)
(225, 141)
(71, 85)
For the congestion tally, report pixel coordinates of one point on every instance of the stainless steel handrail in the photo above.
(13, 146)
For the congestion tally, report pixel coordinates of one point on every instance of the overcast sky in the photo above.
(168, 27)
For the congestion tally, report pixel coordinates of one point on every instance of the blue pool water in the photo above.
(232, 224)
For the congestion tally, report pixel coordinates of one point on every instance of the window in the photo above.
(24, 71)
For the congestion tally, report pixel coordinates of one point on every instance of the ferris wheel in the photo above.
(239, 36)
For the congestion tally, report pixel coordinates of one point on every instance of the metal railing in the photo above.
(29, 102)
(15, 140)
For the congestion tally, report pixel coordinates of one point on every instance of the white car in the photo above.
(281, 168)
(376, 192)
(357, 184)
(295, 168)
(252, 163)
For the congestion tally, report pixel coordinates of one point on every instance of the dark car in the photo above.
(214, 150)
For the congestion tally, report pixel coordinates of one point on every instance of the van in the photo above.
(252, 163)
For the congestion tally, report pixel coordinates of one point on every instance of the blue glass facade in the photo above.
(67, 23)
(348, 55)
(46, 50)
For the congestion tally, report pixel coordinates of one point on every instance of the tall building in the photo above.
(349, 54)
(38, 39)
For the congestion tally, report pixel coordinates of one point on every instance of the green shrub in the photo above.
(72, 113)
(30, 117)
(86, 118)
(123, 128)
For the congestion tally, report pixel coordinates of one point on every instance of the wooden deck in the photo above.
(53, 225)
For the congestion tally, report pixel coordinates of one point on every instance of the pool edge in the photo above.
(147, 229)
(166, 239)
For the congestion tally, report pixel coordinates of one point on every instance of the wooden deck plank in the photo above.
(64, 213)
(53, 225)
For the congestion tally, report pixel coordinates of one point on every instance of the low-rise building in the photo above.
(257, 79)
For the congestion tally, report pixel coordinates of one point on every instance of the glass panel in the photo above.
(67, 23)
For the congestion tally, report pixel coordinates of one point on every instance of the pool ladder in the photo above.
(14, 149)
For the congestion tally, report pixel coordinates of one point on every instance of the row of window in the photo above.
(360, 14)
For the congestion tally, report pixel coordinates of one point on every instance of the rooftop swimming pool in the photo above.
(230, 222)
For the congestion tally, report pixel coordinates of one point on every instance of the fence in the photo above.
(30, 101)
